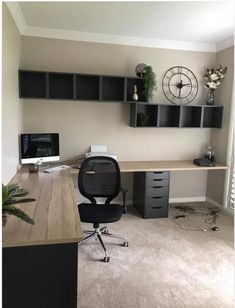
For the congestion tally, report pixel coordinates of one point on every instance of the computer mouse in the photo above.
(215, 229)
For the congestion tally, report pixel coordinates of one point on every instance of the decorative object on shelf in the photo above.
(210, 153)
(142, 119)
(135, 94)
(11, 194)
(140, 69)
(213, 77)
(180, 85)
(210, 99)
(150, 83)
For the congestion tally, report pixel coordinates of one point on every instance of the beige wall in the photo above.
(83, 123)
(11, 105)
(219, 137)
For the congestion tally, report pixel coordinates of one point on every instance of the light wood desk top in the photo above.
(54, 212)
(165, 165)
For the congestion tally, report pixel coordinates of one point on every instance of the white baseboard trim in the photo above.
(188, 199)
(213, 202)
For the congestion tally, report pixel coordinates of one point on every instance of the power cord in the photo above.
(213, 213)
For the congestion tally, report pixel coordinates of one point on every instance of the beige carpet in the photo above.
(164, 265)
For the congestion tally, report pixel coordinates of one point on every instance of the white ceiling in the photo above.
(188, 25)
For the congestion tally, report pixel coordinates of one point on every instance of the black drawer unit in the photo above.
(151, 194)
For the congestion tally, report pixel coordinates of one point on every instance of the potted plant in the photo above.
(150, 83)
(12, 194)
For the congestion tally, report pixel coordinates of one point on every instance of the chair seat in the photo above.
(99, 213)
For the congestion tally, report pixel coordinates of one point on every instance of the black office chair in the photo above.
(99, 177)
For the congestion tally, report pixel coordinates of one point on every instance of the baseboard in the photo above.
(190, 199)
(213, 202)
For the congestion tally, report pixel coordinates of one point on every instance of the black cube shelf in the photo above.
(139, 83)
(74, 86)
(32, 84)
(61, 86)
(87, 87)
(191, 116)
(67, 86)
(113, 88)
(213, 116)
(169, 116)
(157, 115)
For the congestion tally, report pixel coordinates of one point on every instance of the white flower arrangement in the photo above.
(213, 77)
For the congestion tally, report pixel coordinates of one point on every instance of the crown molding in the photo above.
(51, 33)
(117, 39)
(17, 16)
(225, 44)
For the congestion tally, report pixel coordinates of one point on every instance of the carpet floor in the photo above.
(169, 263)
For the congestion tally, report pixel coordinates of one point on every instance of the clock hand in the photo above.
(179, 85)
(179, 93)
(185, 84)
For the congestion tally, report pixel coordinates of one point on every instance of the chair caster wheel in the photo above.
(106, 231)
(106, 259)
(125, 244)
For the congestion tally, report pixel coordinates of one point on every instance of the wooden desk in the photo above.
(165, 165)
(54, 212)
(40, 261)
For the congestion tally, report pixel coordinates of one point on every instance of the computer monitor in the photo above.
(37, 148)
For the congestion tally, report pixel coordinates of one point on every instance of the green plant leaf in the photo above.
(12, 210)
(149, 82)
(12, 194)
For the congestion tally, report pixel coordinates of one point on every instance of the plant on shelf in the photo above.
(12, 194)
(150, 83)
(213, 77)
(142, 119)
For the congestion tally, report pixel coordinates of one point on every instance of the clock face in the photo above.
(180, 85)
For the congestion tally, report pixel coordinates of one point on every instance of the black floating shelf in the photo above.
(191, 116)
(87, 87)
(32, 84)
(169, 116)
(112, 88)
(139, 83)
(157, 115)
(213, 116)
(74, 86)
(60, 86)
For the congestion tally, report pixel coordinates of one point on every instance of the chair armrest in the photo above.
(124, 192)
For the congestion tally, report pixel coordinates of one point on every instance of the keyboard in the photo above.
(56, 169)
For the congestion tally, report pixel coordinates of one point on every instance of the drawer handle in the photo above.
(157, 172)
(157, 186)
(156, 207)
(157, 180)
(157, 197)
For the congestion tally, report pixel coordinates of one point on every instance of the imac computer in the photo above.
(39, 148)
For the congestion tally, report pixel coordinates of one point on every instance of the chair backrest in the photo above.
(99, 176)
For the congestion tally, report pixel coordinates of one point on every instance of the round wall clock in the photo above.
(180, 85)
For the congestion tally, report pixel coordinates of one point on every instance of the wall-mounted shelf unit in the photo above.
(73, 86)
(100, 88)
(156, 115)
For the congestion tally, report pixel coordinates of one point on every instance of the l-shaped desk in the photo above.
(40, 260)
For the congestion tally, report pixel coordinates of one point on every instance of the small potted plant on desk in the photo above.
(12, 194)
